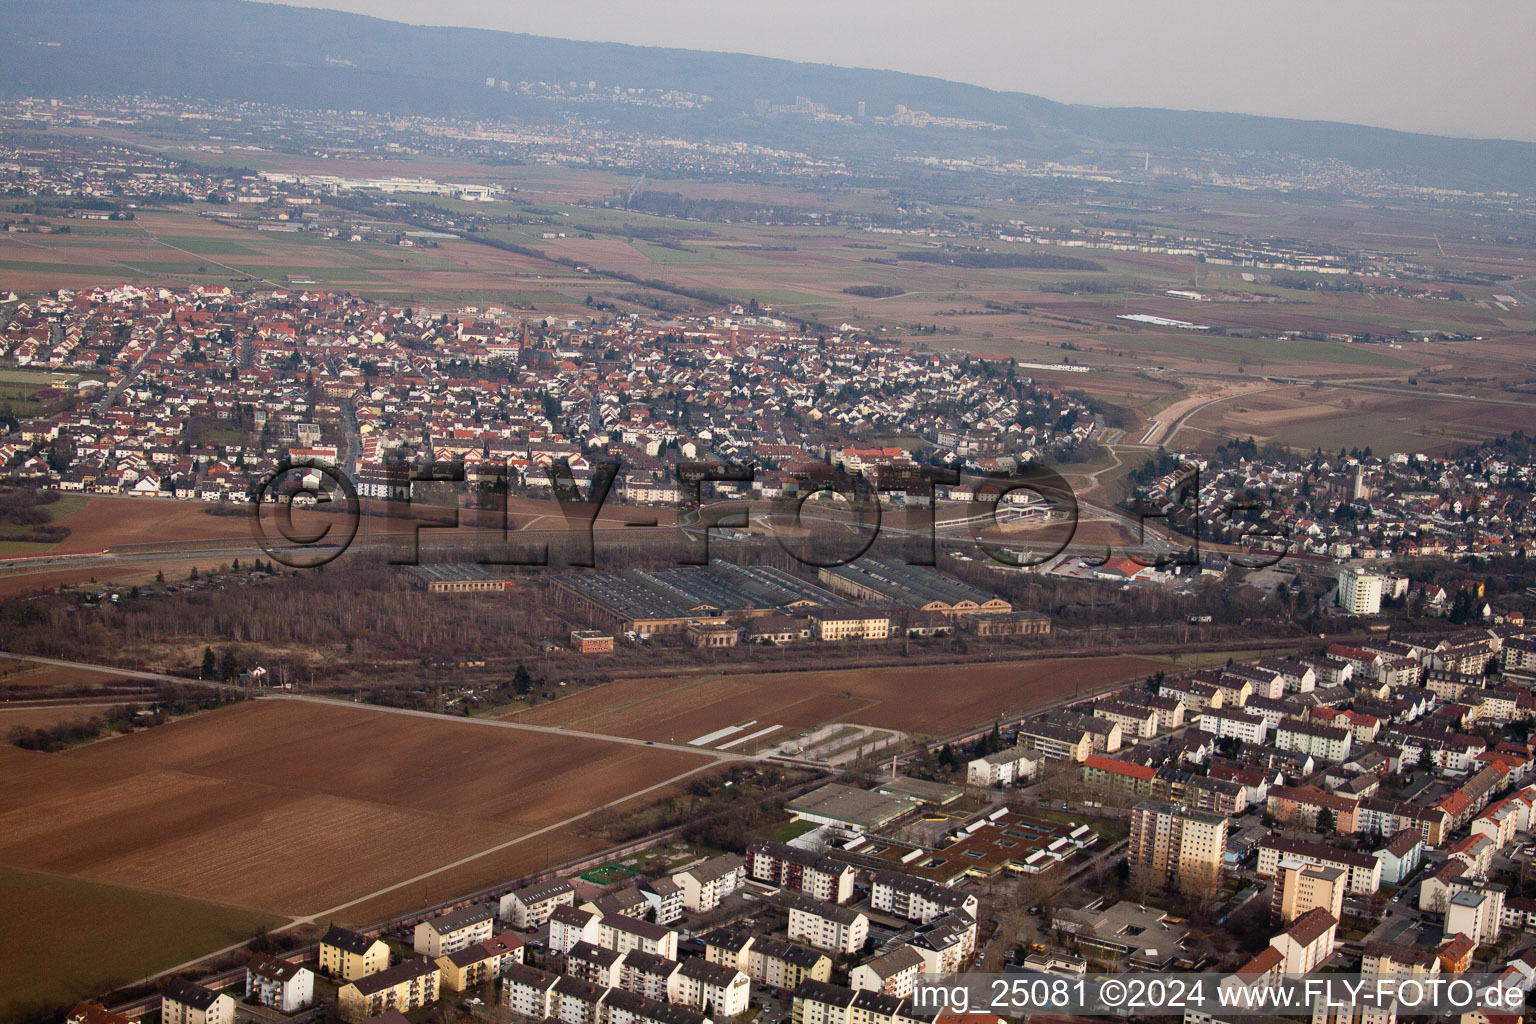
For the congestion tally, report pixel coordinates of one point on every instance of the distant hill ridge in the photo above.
(229, 49)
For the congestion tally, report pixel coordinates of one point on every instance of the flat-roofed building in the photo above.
(856, 810)
(591, 641)
(1300, 887)
(1177, 847)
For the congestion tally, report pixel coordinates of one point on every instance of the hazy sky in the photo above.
(1451, 67)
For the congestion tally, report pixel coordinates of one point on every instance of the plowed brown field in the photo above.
(930, 700)
(296, 808)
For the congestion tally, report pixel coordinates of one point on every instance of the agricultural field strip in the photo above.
(495, 723)
(331, 912)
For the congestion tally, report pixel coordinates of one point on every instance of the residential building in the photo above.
(826, 925)
(95, 1013)
(280, 984)
(705, 885)
(1177, 847)
(350, 955)
(570, 925)
(184, 1002)
(1325, 742)
(665, 898)
(622, 934)
(404, 987)
(1307, 941)
(594, 964)
(946, 943)
(1003, 768)
(1401, 857)
(1301, 887)
(1475, 914)
(816, 1002)
(716, 989)
(894, 972)
(529, 907)
(916, 899)
(1360, 592)
(528, 991)
(654, 977)
(475, 965)
(1362, 871)
(579, 1002)
(453, 931)
(784, 965)
(1136, 722)
(1056, 741)
(790, 867)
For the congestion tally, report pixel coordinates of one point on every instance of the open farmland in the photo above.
(301, 808)
(927, 700)
(85, 937)
(28, 680)
(1323, 417)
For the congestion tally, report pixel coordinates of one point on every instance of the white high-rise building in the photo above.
(1360, 592)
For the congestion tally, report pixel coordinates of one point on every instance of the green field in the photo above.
(790, 830)
(67, 939)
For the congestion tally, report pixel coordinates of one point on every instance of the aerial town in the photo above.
(507, 529)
